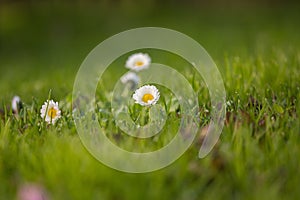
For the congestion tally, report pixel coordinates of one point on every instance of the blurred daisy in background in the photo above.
(130, 78)
(50, 112)
(16, 104)
(146, 95)
(138, 61)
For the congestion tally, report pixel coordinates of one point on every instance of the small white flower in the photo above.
(138, 61)
(130, 77)
(50, 112)
(15, 104)
(146, 95)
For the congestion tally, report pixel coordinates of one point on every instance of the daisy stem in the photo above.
(5, 113)
(144, 116)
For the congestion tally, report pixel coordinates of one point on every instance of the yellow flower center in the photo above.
(147, 97)
(139, 63)
(52, 113)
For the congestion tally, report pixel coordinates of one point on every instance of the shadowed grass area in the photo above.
(256, 50)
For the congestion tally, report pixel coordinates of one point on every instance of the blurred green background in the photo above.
(55, 36)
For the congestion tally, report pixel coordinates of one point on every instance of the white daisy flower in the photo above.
(130, 77)
(50, 112)
(16, 104)
(146, 95)
(138, 61)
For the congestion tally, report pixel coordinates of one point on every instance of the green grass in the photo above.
(257, 156)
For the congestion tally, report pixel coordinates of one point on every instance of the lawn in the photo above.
(256, 49)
